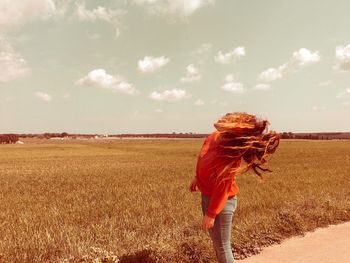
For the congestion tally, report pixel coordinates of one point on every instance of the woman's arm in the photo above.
(219, 198)
(193, 186)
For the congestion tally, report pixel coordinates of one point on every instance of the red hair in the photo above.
(243, 137)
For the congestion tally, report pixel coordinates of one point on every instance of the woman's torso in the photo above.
(208, 164)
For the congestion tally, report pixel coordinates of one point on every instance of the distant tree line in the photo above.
(8, 138)
(284, 135)
(46, 135)
(316, 136)
(163, 135)
(13, 138)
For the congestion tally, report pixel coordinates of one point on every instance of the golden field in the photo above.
(128, 200)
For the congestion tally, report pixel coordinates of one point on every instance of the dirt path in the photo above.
(324, 245)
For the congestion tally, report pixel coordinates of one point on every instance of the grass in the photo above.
(129, 200)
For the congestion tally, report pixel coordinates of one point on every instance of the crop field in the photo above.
(128, 200)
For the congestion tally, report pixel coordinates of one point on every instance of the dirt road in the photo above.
(324, 245)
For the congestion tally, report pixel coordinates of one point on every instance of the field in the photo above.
(128, 199)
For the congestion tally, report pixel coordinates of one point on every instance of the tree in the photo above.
(8, 138)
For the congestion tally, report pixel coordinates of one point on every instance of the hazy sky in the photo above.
(142, 66)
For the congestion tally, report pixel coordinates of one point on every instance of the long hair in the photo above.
(243, 137)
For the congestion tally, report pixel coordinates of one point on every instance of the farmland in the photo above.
(78, 201)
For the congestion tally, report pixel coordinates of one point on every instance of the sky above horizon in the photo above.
(148, 66)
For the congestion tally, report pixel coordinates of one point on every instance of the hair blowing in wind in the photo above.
(243, 137)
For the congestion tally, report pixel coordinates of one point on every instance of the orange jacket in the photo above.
(219, 193)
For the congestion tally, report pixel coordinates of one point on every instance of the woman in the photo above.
(240, 142)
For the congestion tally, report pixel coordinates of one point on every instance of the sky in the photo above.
(149, 66)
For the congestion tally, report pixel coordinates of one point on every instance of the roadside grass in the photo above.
(128, 200)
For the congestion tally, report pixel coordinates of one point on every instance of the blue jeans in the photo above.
(220, 233)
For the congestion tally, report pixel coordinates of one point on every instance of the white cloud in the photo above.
(270, 74)
(325, 83)
(230, 56)
(13, 14)
(169, 95)
(192, 74)
(220, 103)
(203, 49)
(43, 96)
(301, 58)
(344, 93)
(223, 103)
(98, 78)
(180, 8)
(347, 103)
(12, 64)
(92, 36)
(62, 7)
(117, 33)
(232, 86)
(262, 87)
(18, 12)
(102, 13)
(202, 53)
(342, 56)
(152, 64)
(199, 102)
(319, 108)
